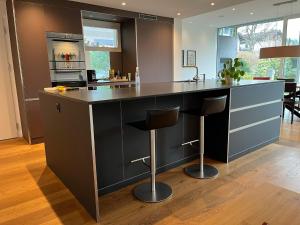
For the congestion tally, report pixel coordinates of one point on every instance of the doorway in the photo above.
(8, 104)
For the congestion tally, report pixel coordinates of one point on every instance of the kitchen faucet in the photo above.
(196, 77)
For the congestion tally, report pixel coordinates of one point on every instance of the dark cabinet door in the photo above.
(169, 140)
(34, 119)
(108, 143)
(155, 50)
(33, 48)
(135, 142)
(63, 20)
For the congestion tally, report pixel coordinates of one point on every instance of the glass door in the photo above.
(292, 65)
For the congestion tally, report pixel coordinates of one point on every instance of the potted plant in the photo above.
(232, 71)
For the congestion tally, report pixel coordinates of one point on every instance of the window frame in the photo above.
(104, 24)
(285, 20)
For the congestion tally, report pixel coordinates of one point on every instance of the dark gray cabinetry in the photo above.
(135, 142)
(255, 117)
(155, 50)
(169, 139)
(69, 149)
(108, 143)
(34, 115)
(32, 46)
(63, 20)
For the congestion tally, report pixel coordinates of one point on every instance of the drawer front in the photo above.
(253, 115)
(256, 94)
(246, 139)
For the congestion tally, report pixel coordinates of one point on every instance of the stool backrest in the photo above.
(290, 87)
(160, 118)
(213, 105)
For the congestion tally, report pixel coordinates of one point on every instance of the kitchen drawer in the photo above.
(253, 115)
(252, 137)
(256, 94)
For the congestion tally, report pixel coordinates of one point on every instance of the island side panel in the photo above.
(255, 117)
(69, 148)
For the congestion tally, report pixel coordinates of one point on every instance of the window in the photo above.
(253, 37)
(100, 40)
(227, 31)
(292, 65)
(293, 32)
(98, 61)
(101, 36)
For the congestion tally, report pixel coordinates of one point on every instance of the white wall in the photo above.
(203, 39)
(177, 49)
(9, 114)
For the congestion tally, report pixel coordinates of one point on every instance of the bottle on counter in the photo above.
(137, 76)
(129, 76)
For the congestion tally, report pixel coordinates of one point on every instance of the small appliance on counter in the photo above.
(91, 76)
(66, 59)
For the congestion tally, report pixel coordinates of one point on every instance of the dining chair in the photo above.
(290, 98)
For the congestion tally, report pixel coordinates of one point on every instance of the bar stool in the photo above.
(153, 191)
(209, 106)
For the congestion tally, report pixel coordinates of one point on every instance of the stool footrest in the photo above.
(142, 160)
(190, 142)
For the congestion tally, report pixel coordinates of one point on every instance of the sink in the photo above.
(184, 81)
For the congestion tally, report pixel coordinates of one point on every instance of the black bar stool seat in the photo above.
(155, 119)
(209, 106)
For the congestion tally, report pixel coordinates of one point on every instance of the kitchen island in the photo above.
(90, 146)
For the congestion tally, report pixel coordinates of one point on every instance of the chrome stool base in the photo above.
(209, 172)
(144, 193)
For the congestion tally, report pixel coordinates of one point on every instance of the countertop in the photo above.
(125, 92)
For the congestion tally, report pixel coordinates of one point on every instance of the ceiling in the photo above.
(260, 9)
(168, 8)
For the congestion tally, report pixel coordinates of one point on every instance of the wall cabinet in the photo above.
(35, 18)
(155, 50)
(63, 20)
(33, 48)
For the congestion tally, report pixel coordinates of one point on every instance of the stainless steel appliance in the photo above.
(66, 59)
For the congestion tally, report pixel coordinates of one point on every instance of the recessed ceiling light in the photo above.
(123, 3)
(212, 4)
(233, 9)
(178, 14)
(252, 13)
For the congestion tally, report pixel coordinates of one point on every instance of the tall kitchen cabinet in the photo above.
(28, 38)
(155, 50)
(30, 20)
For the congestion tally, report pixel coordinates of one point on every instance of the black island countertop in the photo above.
(125, 92)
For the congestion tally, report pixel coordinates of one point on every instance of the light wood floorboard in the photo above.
(257, 188)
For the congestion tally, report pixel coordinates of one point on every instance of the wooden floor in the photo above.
(260, 188)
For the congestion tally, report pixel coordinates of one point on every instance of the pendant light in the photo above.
(281, 51)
